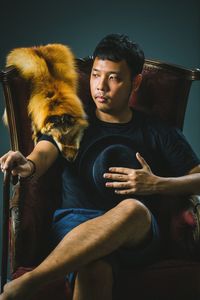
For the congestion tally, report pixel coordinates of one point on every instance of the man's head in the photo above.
(115, 74)
(118, 47)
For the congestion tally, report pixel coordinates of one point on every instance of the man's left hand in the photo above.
(132, 181)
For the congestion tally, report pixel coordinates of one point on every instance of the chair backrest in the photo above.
(164, 92)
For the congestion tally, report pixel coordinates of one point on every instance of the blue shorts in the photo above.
(66, 219)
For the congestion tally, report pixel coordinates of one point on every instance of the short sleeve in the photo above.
(45, 137)
(177, 152)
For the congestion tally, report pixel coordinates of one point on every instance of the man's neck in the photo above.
(122, 117)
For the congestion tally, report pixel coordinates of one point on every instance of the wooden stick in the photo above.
(5, 228)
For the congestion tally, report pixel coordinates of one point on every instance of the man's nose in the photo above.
(102, 84)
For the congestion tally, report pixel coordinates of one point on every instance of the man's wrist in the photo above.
(170, 185)
(162, 185)
(33, 168)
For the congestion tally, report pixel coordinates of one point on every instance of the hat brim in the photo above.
(88, 157)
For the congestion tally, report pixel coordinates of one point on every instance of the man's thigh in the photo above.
(67, 219)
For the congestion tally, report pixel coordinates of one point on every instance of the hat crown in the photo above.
(113, 156)
(98, 157)
(116, 156)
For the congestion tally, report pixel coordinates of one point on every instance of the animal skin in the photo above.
(54, 107)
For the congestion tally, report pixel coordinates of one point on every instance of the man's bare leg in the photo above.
(127, 224)
(94, 281)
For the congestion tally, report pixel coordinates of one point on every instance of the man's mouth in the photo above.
(101, 99)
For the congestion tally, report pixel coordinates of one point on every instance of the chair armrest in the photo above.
(185, 229)
(195, 208)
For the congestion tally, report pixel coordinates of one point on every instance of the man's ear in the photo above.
(136, 82)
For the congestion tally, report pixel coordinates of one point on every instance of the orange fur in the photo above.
(54, 106)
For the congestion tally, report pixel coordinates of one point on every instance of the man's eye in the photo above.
(114, 78)
(95, 75)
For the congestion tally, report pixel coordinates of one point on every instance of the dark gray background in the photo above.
(167, 30)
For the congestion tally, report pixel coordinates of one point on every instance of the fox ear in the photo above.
(136, 82)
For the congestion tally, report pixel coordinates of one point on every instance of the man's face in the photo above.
(110, 85)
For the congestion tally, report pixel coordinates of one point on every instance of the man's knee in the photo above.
(138, 220)
(133, 208)
(95, 273)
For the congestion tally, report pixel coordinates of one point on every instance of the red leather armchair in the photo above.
(164, 92)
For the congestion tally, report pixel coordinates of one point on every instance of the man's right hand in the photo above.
(17, 163)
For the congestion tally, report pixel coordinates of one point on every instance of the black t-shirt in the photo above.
(164, 148)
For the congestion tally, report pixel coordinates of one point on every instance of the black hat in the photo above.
(106, 152)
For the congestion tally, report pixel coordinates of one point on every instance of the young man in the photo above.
(96, 232)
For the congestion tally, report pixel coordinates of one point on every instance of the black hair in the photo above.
(117, 47)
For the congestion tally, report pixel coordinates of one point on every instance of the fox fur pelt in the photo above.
(54, 106)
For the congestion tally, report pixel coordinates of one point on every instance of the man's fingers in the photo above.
(11, 160)
(142, 161)
(115, 176)
(124, 192)
(7, 163)
(120, 170)
(118, 185)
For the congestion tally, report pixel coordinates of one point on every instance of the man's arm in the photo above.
(188, 184)
(42, 156)
(144, 182)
